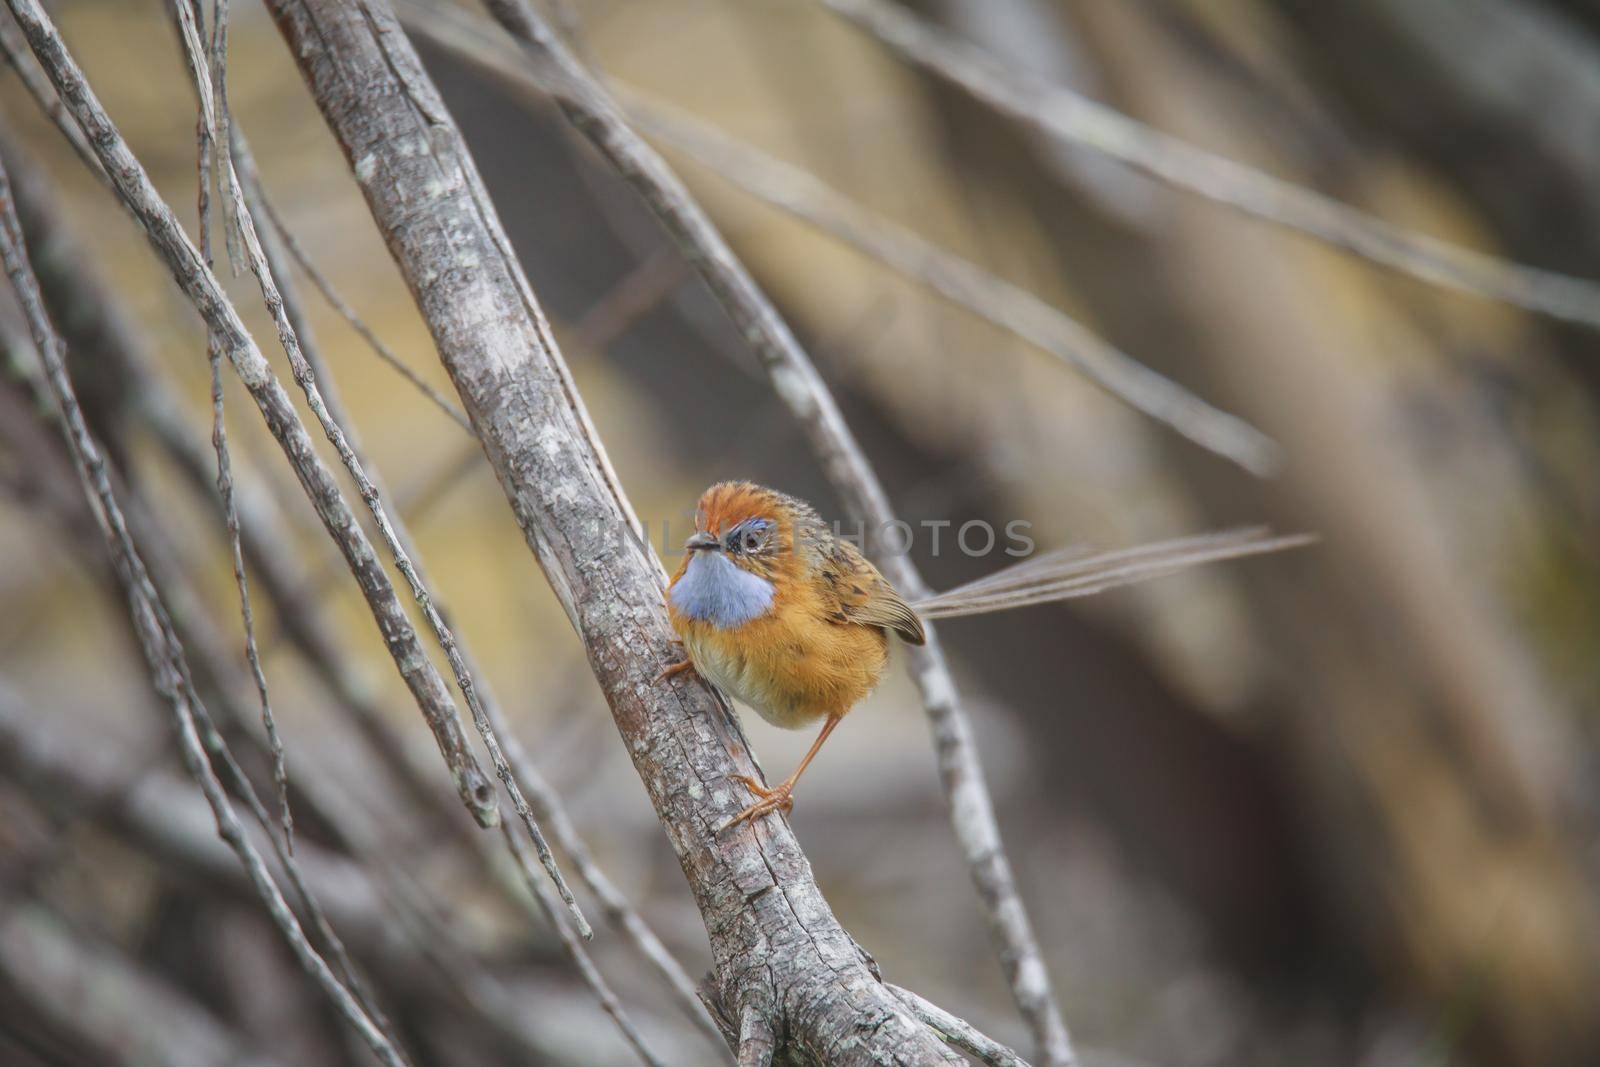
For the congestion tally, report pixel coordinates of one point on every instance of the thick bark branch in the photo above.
(778, 950)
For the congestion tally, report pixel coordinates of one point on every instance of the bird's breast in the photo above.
(712, 589)
(790, 668)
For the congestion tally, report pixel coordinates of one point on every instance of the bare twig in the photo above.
(797, 383)
(38, 87)
(962, 282)
(163, 653)
(126, 1013)
(188, 622)
(188, 269)
(209, 132)
(395, 536)
(774, 940)
(1057, 111)
(960, 1033)
(320, 282)
(219, 437)
(548, 907)
(952, 277)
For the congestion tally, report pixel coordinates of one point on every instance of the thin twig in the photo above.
(209, 132)
(320, 282)
(958, 1032)
(952, 277)
(549, 908)
(392, 529)
(188, 269)
(190, 628)
(962, 282)
(163, 653)
(797, 383)
(1057, 111)
(219, 438)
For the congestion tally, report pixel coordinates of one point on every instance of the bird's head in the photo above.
(741, 552)
(750, 525)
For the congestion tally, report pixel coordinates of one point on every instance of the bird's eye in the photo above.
(752, 541)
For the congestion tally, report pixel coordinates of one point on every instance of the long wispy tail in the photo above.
(1080, 571)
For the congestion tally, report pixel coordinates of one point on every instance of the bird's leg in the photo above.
(780, 797)
(674, 669)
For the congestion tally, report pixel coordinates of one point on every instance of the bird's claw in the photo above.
(672, 670)
(779, 799)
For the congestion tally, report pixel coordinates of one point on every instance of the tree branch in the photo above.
(163, 653)
(131, 181)
(1058, 112)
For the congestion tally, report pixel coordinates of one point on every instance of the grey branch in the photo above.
(962, 282)
(163, 653)
(775, 943)
(960, 1033)
(197, 281)
(320, 282)
(394, 536)
(958, 280)
(1058, 112)
(802, 390)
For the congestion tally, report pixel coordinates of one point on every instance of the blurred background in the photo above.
(1333, 807)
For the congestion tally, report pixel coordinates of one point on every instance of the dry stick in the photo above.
(775, 943)
(797, 383)
(340, 430)
(580, 958)
(162, 652)
(960, 1033)
(493, 727)
(208, 134)
(320, 281)
(191, 274)
(956, 279)
(392, 530)
(633, 296)
(960, 281)
(195, 632)
(1058, 112)
(219, 439)
(188, 624)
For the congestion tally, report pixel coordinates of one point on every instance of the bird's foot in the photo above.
(673, 670)
(780, 798)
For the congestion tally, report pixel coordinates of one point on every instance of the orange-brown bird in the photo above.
(784, 615)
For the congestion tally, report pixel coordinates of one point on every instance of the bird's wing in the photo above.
(857, 593)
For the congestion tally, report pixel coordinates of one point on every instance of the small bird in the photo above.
(791, 619)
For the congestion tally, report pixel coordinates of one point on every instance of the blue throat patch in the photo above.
(713, 590)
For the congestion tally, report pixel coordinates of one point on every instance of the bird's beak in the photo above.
(701, 540)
